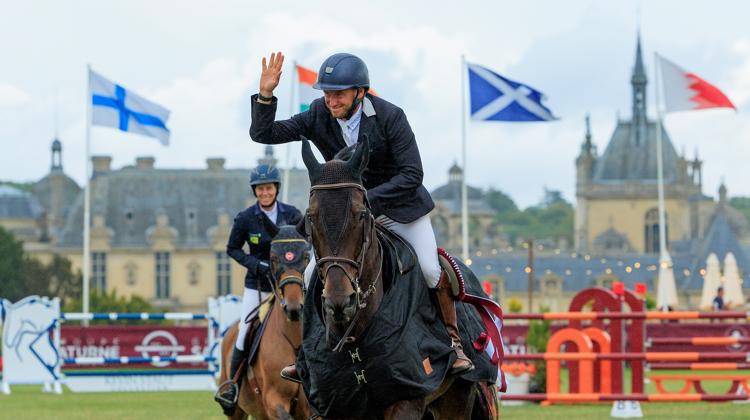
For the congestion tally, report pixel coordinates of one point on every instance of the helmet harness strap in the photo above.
(355, 103)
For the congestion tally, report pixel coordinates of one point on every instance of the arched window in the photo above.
(651, 229)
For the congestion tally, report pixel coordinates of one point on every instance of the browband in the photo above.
(337, 185)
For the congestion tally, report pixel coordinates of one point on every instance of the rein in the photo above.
(358, 264)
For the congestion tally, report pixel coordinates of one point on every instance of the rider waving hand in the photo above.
(393, 177)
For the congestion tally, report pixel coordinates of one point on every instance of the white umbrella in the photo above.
(711, 282)
(666, 291)
(732, 282)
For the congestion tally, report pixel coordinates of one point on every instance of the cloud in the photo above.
(11, 96)
(579, 53)
(740, 75)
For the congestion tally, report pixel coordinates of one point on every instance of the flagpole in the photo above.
(87, 200)
(292, 108)
(464, 205)
(664, 259)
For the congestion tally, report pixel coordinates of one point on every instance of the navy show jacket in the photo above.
(393, 177)
(248, 228)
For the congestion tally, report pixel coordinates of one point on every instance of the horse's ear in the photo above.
(311, 162)
(270, 226)
(300, 226)
(360, 157)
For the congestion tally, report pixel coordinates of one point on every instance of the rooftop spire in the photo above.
(639, 81)
(587, 146)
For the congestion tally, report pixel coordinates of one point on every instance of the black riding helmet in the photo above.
(343, 71)
(265, 174)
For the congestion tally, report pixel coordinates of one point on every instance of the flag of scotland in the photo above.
(495, 98)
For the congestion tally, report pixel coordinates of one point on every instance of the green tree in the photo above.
(34, 278)
(21, 275)
(536, 340)
(63, 283)
(553, 220)
(500, 202)
(742, 204)
(11, 263)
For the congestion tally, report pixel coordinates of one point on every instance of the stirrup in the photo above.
(288, 376)
(458, 349)
(229, 406)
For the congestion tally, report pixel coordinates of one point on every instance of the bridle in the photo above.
(286, 276)
(325, 264)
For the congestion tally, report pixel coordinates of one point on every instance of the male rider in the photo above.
(393, 177)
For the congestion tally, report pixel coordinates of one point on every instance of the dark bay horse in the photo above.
(349, 264)
(263, 393)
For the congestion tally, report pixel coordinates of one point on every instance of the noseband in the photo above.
(325, 264)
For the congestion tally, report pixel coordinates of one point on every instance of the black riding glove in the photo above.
(263, 269)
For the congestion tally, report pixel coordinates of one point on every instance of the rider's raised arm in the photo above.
(264, 129)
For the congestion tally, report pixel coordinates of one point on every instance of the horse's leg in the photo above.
(409, 409)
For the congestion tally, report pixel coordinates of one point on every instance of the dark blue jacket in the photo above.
(249, 228)
(393, 177)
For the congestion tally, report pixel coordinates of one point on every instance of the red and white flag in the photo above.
(685, 91)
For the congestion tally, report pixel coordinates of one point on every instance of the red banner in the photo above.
(133, 341)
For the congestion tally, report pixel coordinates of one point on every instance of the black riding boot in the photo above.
(229, 391)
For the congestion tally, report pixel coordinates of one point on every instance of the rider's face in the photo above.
(266, 194)
(339, 101)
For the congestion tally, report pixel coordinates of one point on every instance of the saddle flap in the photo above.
(257, 327)
(406, 258)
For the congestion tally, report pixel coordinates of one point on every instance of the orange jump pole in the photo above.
(570, 316)
(700, 366)
(591, 397)
(699, 341)
(655, 357)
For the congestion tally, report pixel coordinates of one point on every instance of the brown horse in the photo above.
(263, 393)
(350, 266)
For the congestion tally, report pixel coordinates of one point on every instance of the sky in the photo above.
(201, 60)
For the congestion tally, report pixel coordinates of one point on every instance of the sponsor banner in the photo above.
(187, 380)
(134, 341)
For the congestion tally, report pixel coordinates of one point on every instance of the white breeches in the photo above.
(420, 236)
(249, 303)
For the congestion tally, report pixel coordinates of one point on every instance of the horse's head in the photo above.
(341, 226)
(289, 256)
